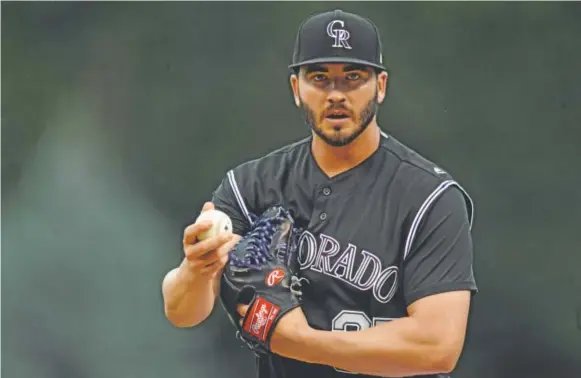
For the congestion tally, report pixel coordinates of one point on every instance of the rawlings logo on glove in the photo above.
(261, 321)
(275, 277)
(261, 273)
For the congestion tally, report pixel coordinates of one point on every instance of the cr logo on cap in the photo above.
(341, 36)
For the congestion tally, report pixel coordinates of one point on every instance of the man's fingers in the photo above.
(212, 256)
(212, 269)
(242, 309)
(227, 247)
(193, 230)
(215, 260)
(219, 254)
(221, 251)
(212, 263)
(201, 248)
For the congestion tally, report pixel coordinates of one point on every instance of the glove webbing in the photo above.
(259, 240)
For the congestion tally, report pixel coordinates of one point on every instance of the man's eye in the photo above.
(353, 76)
(319, 77)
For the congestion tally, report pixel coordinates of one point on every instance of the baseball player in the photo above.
(386, 248)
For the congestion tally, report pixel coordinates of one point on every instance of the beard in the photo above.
(337, 140)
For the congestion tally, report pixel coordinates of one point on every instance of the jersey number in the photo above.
(348, 320)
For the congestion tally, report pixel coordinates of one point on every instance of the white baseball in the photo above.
(220, 223)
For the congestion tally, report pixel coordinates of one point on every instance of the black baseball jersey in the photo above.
(377, 237)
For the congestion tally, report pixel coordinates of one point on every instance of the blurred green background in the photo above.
(119, 119)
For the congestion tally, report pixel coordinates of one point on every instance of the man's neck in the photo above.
(336, 160)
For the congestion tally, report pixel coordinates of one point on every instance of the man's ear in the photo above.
(294, 82)
(381, 86)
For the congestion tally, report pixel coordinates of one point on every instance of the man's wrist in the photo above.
(185, 274)
(292, 344)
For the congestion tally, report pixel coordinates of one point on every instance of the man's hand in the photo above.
(208, 257)
(190, 290)
(287, 333)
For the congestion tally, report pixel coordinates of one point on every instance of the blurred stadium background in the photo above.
(119, 119)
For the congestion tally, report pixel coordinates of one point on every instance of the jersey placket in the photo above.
(321, 203)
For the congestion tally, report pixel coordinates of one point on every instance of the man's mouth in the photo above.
(337, 115)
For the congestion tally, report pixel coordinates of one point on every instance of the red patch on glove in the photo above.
(260, 317)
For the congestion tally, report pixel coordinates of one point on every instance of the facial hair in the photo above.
(366, 116)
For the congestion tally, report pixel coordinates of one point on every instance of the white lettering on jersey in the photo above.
(327, 257)
(328, 247)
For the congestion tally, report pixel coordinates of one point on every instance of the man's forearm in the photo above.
(188, 300)
(394, 349)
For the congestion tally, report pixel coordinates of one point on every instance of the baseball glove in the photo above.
(261, 272)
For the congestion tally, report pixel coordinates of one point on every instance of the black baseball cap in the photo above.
(337, 37)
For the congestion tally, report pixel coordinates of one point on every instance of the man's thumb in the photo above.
(208, 206)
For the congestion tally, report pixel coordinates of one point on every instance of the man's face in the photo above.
(338, 100)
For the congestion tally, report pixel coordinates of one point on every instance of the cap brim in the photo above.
(337, 59)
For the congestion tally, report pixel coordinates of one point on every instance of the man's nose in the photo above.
(335, 97)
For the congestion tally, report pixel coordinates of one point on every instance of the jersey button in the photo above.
(326, 191)
(323, 216)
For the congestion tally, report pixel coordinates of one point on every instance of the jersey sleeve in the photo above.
(227, 198)
(440, 258)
